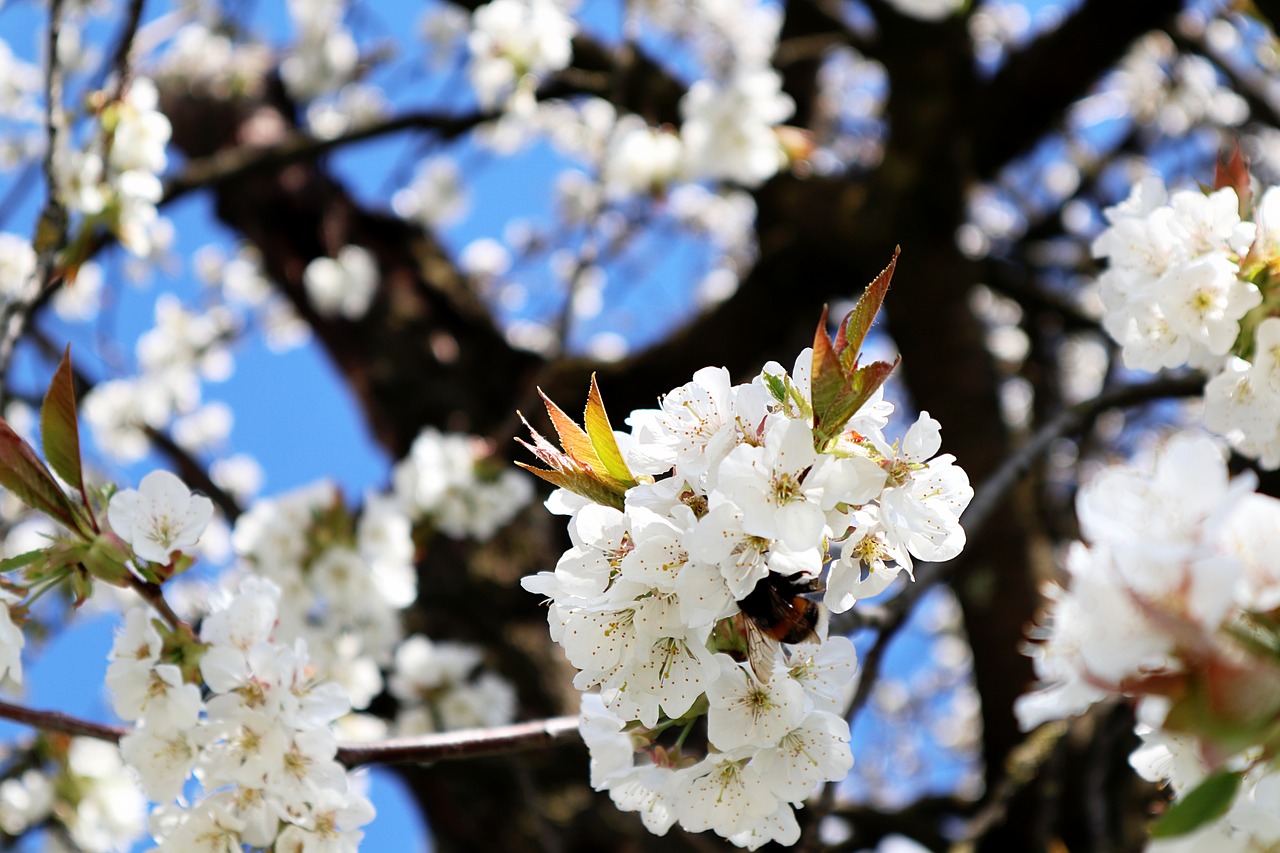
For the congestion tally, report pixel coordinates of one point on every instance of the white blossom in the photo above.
(160, 517)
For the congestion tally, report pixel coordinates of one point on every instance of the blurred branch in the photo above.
(1017, 284)
(1024, 765)
(1269, 9)
(467, 743)
(56, 721)
(51, 226)
(1069, 421)
(1032, 91)
(195, 474)
(231, 164)
(190, 469)
(120, 61)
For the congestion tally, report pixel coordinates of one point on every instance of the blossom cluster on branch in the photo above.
(246, 691)
(1171, 602)
(1190, 281)
(696, 537)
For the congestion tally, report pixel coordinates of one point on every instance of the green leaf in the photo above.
(22, 473)
(777, 387)
(566, 471)
(600, 431)
(59, 429)
(10, 563)
(1202, 805)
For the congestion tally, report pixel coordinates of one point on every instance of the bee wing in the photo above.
(762, 651)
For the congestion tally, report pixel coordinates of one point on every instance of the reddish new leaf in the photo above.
(853, 331)
(566, 472)
(573, 438)
(826, 378)
(1232, 171)
(22, 473)
(59, 430)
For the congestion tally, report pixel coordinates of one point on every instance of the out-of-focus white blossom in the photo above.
(514, 38)
(441, 480)
(342, 286)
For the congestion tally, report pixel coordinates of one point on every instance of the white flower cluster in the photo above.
(183, 349)
(434, 685)
(242, 284)
(667, 603)
(513, 44)
(325, 55)
(728, 128)
(260, 744)
(436, 197)
(115, 177)
(17, 264)
(1188, 283)
(1175, 91)
(12, 641)
(1161, 606)
(444, 479)
(88, 789)
(344, 582)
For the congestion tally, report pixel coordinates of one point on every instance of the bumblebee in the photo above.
(778, 611)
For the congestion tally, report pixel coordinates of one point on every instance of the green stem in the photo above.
(684, 733)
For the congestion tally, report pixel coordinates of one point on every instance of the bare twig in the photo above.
(469, 743)
(466, 743)
(56, 721)
(51, 227)
(153, 595)
(1024, 765)
(231, 164)
(120, 65)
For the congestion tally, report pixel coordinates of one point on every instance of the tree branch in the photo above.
(231, 164)
(51, 226)
(467, 743)
(120, 64)
(56, 721)
(1030, 94)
